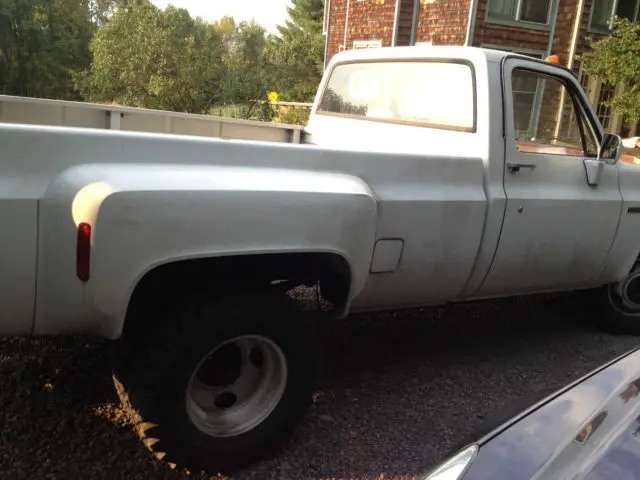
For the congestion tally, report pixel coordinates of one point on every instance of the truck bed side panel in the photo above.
(19, 222)
(144, 216)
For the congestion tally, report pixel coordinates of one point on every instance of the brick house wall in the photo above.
(368, 20)
(486, 32)
(405, 19)
(443, 22)
(565, 21)
(582, 45)
(371, 20)
(335, 27)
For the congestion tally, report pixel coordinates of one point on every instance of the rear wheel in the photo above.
(222, 383)
(236, 386)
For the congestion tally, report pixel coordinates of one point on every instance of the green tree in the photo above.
(305, 15)
(296, 56)
(42, 44)
(227, 29)
(150, 58)
(245, 81)
(616, 59)
(101, 11)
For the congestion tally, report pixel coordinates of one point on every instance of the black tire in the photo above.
(159, 365)
(611, 319)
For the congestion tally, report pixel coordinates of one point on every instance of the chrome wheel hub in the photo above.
(236, 386)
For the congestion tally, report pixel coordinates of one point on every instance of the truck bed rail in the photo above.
(38, 111)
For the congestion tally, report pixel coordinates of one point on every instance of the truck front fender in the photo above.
(144, 216)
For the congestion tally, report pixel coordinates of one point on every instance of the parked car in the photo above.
(589, 430)
(426, 176)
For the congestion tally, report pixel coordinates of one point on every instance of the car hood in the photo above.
(590, 430)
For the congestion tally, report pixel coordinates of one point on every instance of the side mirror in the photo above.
(610, 152)
(611, 149)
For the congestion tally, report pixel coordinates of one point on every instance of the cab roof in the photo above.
(472, 54)
(422, 52)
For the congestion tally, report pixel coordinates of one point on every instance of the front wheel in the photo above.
(619, 306)
(222, 383)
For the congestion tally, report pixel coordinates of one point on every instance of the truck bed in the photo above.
(37, 111)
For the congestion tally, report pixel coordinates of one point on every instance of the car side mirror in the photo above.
(611, 149)
(610, 152)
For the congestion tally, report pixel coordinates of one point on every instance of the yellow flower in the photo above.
(273, 97)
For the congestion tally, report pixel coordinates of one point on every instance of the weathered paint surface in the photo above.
(468, 227)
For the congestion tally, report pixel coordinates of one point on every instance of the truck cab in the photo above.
(538, 138)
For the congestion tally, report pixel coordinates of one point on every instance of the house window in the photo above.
(603, 110)
(627, 9)
(532, 11)
(599, 94)
(602, 12)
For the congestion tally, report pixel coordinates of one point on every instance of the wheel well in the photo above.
(329, 271)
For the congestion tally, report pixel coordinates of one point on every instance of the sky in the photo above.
(267, 13)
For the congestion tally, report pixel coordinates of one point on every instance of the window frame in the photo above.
(614, 6)
(581, 118)
(451, 128)
(516, 22)
(581, 112)
(535, 113)
(325, 17)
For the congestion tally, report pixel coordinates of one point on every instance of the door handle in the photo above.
(515, 167)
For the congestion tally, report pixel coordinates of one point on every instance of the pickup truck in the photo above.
(426, 175)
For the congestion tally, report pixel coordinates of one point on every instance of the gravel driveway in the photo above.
(398, 390)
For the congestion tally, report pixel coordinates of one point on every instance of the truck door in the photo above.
(557, 229)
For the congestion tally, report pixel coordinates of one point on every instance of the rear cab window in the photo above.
(434, 94)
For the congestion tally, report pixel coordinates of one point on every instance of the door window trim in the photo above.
(564, 75)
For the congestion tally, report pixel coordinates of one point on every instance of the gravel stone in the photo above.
(398, 390)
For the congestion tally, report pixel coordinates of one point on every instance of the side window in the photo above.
(547, 119)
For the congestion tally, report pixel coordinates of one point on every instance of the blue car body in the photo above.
(587, 430)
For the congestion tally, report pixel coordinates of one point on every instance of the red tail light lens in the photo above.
(83, 251)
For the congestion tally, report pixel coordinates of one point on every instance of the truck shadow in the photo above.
(398, 389)
(59, 415)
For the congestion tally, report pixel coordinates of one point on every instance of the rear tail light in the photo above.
(83, 251)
